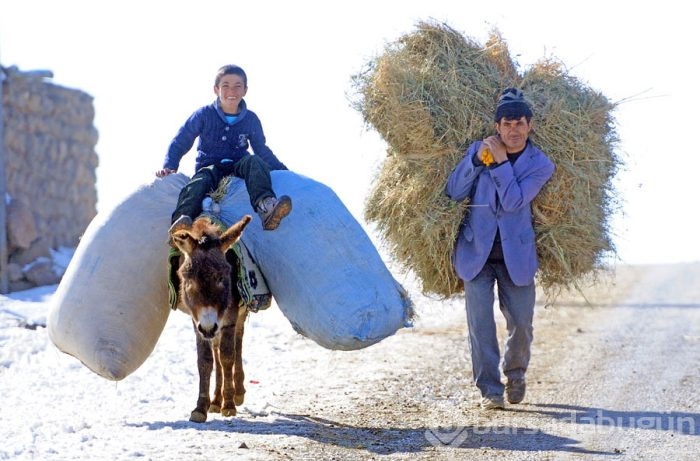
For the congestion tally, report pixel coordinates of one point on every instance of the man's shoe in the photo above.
(272, 210)
(492, 402)
(515, 390)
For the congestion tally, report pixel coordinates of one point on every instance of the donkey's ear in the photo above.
(233, 233)
(183, 240)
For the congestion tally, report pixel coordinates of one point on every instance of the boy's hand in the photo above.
(165, 172)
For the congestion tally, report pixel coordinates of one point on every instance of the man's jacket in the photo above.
(501, 199)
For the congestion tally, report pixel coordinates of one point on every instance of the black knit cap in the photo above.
(512, 105)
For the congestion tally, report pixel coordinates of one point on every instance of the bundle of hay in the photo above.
(430, 95)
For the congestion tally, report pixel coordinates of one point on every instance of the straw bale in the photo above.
(432, 91)
(574, 125)
(416, 219)
(430, 95)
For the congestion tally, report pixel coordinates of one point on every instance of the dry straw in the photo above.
(431, 94)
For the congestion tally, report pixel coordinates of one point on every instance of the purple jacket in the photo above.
(219, 140)
(515, 186)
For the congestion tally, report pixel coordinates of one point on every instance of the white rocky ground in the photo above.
(618, 380)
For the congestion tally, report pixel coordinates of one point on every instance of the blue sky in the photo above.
(150, 64)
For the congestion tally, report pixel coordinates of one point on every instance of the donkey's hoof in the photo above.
(198, 417)
(214, 408)
(228, 411)
(238, 399)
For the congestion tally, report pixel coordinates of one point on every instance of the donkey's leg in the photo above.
(217, 401)
(238, 374)
(205, 362)
(226, 355)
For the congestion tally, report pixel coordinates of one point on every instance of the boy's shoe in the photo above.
(272, 210)
(182, 221)
(515, 390)
(492, 402)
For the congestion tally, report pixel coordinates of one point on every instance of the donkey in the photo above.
(208, 291)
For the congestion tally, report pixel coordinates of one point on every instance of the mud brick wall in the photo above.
(50, 167)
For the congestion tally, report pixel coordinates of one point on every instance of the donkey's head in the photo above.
(205, 274)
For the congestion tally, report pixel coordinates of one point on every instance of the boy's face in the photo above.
(230, 91)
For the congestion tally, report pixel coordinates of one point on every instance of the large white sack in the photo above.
(324, 272)
(112, 304)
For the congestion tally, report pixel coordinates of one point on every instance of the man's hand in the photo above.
(496, 147)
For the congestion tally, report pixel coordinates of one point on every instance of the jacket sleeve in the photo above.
(257, 142)
(183, 141)
(460, 182)
(515, 193)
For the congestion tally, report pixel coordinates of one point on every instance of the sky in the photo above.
(149, 66)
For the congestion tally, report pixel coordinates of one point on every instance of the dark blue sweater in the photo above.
(219, 140)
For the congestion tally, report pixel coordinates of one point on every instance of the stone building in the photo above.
(48, 168)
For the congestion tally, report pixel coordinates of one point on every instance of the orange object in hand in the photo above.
(487, 157)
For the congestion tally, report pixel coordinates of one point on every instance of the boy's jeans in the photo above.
(251, 168)
(517, 305)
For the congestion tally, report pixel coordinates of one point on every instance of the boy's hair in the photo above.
(512, 106)
(231, 69)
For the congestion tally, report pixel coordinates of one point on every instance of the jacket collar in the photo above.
(242, 106)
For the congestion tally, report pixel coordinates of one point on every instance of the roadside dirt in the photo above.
(614, 379)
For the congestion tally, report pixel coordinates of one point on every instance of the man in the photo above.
(501, 175)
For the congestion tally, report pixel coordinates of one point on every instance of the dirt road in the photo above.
(618, 380)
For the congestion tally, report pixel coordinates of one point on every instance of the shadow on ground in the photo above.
(602, 419)
(381, 440)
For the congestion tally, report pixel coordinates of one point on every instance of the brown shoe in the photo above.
(272, 210)
(515, 390)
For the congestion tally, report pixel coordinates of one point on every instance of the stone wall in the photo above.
(50, 167)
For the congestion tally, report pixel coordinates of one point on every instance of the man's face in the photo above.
(514, 133)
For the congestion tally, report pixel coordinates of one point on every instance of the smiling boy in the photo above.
(226, 129)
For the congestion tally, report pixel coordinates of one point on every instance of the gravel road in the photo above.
(615, 379)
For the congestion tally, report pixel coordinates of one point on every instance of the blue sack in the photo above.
(323, 270)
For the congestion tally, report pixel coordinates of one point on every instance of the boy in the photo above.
(225, 129)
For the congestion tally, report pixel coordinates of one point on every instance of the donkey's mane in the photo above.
(207, 242)
(208, 233)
